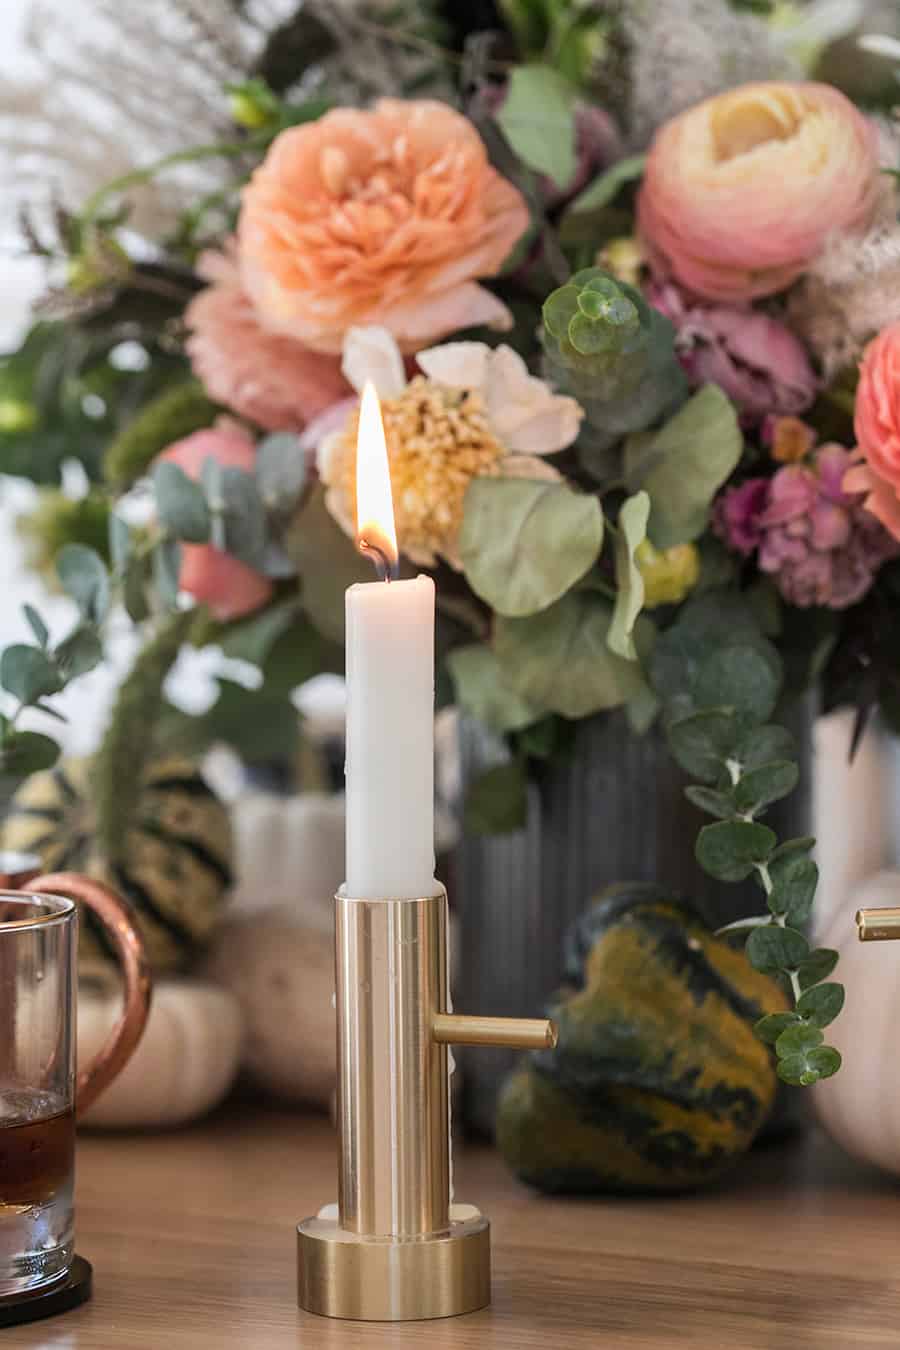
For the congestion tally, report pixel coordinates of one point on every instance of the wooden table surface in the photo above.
(192, 1239)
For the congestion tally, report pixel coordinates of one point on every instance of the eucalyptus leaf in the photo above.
(80, 652)
(246, 530)
(632, 531)
(822, 1004)
(134, 588)
(731, 849)
(37, 625)
(83, 576)
(280, 470)
(28, 673)
(180, 504)
(798, 1040)
(720, 804)
(497, 801)
(703, 741)
(762, 745)
(477, 679)
(525, 542)
(253, 638)
(773, 949)
(740, 677)
(119, 542)
(802, 1070)
(559, 660)
(769, 1028)
(166, 569)
(537, 118)
(608, 185)
(817, 966)
(794, 877)
(26, 752)
(769, 783)
(689, 459)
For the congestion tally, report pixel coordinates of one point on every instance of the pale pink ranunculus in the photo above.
(877, 425)
(267, 377)
(228, 586)
(742, 191)
(385, 216)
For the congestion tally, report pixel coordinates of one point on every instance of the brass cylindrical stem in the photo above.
(393, 1109)
(523, 1033)
(878, 925)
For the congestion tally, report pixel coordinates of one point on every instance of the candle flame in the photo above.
(375, 530)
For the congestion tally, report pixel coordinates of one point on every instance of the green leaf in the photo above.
(803, 1070)
(714, 803)
(28, 673)
(477, 679)
(246, 530)
(497, 801)
(166, 569)
(119, 542)
(822, 1004)
(83, 576)
(36, 624)
(741, 677)
(765, 744)
(769, 1028)
(80, 652)
(802, 844)
(797, 1040)
(26, 752)
(253, 639)
(180, 504)
(794, 878)
(703, 741)
(559, 660)
(134, 588)
(633, 518)
(525, 542)
(691, 457)
(769, 783)
(171, 415)
(774, 949)
(258, 725)
(607, 186)
(280, 470)
(328, 564)
(538, 120)
(817, 966)
(731, 849)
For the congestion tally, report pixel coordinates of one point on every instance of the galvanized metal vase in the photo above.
(615, 810)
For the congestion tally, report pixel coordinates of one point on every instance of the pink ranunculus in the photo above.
(742, 191)
(271, 379)
(877, 424)
(227, 585)
(760, 364)
(736, 515)
(382, 216)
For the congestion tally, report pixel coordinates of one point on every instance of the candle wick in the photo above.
(387, 569)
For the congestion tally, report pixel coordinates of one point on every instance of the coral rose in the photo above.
(228, 586)
(741, 192)
(384, 216)
(877, 425)
(271, 379)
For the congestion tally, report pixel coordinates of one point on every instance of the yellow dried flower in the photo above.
(792, 439)
(669, 574)
(623, 258)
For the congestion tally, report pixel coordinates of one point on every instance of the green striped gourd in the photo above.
(177, 855)
(658, 1082)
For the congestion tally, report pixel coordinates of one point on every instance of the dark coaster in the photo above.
(58, 1298)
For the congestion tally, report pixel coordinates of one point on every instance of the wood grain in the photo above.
(192, 1239)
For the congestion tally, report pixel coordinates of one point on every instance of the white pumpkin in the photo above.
(860, 1105)
(290, 854)
(282, 972)
(184, 1065)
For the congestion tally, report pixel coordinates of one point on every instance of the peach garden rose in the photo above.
(877, 424)
(741, 192)
(386, 216)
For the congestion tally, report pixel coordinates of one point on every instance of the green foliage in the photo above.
(607, 185)
(181, 507)
(171, 415)
(327, 562)
(632, 530)
(524, 542)
(719, 680)
(280, 471)
(560, 661)
(497, 801)
(480, 690)
(83, 576)
(683, 465)
(537, 117)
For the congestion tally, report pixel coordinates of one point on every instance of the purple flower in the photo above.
(737, 515)
(760, 364)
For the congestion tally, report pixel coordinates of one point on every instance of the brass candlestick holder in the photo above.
(878, 925)
(394, 1247)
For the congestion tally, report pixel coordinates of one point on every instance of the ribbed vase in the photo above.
(614, 810)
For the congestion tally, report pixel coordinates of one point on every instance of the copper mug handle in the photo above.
(114, 914)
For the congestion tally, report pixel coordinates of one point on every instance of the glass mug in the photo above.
(39, 1090)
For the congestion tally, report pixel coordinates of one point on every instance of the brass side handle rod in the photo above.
(878, 925)
(521, 1033)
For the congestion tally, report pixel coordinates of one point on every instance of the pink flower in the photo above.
(228, 586)
(741, 191)
(271, 379)
(813, 536)
(760, 364)
(385, 216)
(877, 425)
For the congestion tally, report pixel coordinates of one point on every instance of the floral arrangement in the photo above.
(626, 280)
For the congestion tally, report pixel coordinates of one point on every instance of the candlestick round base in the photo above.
(376, 1279)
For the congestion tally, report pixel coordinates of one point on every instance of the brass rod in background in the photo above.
(878, 925)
